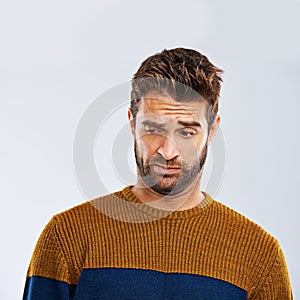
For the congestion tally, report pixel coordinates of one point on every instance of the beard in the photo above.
(169, 184)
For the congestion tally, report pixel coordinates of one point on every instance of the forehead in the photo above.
(163, 106)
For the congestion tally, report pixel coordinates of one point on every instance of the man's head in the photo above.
(173, 116)
(185, 74)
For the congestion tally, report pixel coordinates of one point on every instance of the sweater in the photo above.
(117, 247)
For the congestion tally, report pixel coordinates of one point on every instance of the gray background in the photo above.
(56, 57)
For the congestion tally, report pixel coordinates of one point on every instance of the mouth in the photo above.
(165, 170)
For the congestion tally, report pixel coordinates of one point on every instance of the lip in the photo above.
(165, 170)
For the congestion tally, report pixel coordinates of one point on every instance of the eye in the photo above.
(187, 132)
(152, 130)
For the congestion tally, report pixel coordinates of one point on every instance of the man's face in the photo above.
(170, 142)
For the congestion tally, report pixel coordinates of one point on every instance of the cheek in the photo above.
(146, 147)
(191, 149)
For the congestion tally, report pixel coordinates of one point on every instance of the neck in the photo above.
(187, 199)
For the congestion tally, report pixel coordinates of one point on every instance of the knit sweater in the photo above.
(117, 247)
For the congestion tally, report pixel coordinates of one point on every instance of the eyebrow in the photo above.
(190, 124)
(161, 125)
(151, 123)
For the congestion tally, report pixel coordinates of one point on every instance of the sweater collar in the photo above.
(156, 213)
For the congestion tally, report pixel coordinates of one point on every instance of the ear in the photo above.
(131, 121)
(213, 129)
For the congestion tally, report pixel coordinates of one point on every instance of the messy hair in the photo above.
(184, 74)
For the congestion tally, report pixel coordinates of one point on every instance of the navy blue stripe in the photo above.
(41, 288)
(119, 283)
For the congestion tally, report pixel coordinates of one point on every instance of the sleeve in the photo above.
(48, 275)
(277, 285)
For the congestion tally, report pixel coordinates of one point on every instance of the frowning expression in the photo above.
(170, 142)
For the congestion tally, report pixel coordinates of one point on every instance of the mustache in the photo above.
(159, 160)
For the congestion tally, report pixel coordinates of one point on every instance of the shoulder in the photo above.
(83, 215)
(251, 257)
(234, 217)
(243, 232)
(246, 245)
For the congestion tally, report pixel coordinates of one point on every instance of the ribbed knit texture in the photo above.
(119, 231)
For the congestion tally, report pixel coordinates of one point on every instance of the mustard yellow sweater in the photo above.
(116, 247)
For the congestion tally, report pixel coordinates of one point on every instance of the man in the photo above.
(162, 238)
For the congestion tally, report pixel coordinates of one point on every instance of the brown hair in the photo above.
(184, 74)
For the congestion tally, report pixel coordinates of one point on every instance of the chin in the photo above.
(170, 190)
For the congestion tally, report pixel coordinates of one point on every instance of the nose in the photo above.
(168, 150)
